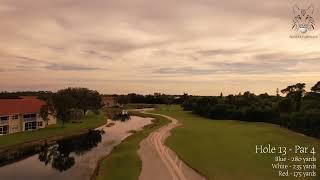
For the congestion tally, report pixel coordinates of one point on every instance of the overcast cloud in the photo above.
(121, 46)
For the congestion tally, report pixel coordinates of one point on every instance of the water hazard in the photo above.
(72, 158)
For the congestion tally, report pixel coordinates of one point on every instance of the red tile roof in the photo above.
(20, 106)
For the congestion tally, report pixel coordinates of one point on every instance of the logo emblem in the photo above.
(303, 20)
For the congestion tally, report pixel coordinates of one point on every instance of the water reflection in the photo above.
(26, 164)
(60, 156)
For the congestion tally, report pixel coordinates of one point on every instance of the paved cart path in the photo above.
(161, 163)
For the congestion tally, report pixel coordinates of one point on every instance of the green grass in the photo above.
(124, 163)
(225, 149)
(139, 106)
(90, 121)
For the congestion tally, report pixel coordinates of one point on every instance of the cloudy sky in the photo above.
(144, 46)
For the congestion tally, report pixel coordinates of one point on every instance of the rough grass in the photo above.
(124, 162)
(223, 149)
(90, 121)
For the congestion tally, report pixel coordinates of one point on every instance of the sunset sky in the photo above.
(170, 46)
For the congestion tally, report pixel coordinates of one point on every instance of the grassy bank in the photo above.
(124, 161)
(223, 149)
(90, 121)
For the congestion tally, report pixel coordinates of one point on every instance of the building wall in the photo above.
(52, 120)
(21, 123)
(18, 125)
(14, 124)
(40, 120)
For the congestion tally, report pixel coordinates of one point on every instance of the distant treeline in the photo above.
(17, 95)
(299, 110)
(156, 98)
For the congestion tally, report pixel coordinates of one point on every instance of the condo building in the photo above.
(18, 115)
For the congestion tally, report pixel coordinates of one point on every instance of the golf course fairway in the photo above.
(226, 149)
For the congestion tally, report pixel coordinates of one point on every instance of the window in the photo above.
(30, 126)
(4, 118)
(4, 129)
(39, 124)
(29, 117)
(15, 116)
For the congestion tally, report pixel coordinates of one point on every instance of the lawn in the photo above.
(225, 149)
(139, 106)
(124, 162)
(90, 121)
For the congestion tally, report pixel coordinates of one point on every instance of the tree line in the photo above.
(156, 98)
(299, 110)
(17, 95)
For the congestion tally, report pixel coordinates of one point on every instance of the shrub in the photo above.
(306, 122)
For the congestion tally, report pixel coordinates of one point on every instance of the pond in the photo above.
(74, 158)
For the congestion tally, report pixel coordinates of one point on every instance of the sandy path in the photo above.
(161, 163)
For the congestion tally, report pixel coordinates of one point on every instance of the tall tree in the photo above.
(90, 100)
(316, 88)
(63, 103)
(67, 102)
(295, 92)
(44, 113)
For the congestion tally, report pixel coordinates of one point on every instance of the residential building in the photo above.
(18, 115)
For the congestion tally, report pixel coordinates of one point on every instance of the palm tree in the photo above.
(316, 88)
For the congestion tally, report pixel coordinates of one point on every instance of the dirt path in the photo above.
(161, 163)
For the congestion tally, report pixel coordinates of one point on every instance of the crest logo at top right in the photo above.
(303, 20)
